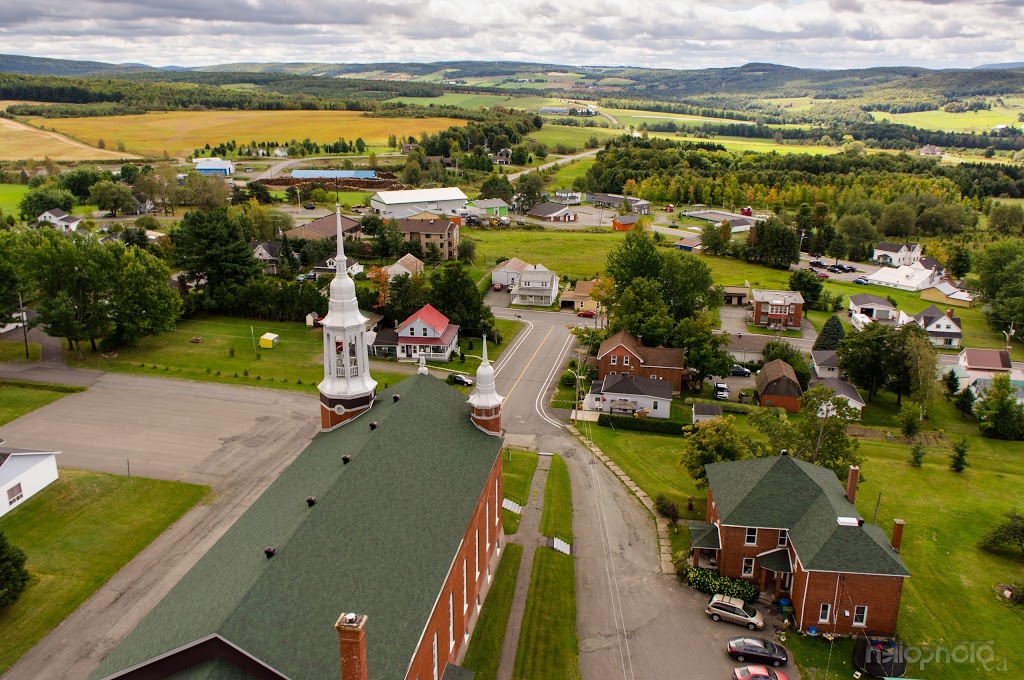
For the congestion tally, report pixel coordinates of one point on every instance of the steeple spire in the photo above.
(341, 259)
(485, 402)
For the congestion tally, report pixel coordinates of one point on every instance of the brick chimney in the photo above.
(851, 483)
(352, 642)
(897, 534)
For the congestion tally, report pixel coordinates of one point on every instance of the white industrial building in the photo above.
(403, 204)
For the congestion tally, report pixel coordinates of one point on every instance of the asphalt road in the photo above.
(633, 622)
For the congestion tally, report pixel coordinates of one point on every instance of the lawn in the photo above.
(484, 653)
(21, 397)
(179, 133)
(22, 142)
(14, 350)
(548, 646)
(226, 355)
(475, 101)
(516, 475)
(572, 136)
(564, 252)
(969, 121)
(568, 173)
(10, 198)
(77, 533)
(556, 520)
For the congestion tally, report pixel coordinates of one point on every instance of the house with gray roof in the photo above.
(842, 389)
(703, 412)
(624, 394)
(942, 327)
(790, 528)
(825, 363)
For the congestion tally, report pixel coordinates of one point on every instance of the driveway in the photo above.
(734, 318)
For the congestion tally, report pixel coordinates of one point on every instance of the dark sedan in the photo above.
(758, 650)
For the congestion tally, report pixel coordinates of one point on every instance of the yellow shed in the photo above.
(268, 340)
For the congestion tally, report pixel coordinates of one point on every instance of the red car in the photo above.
(821, 275)
(589, 313)
(497, 286)
(758, 673)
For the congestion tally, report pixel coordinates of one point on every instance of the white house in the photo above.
(23, 473)
(623, 394)
(429, 334)
(60, 219)
(982, 385)
(537, 285)
(905, 277)
(330, 266)
(549, 211)
(444, 200)
(943, 329)
(842, 389)
(703, 412)
(825, 363)
(896, 254)
(566, 197)
(872, 306)
(508, 272)
(215, 166)
(407, 264)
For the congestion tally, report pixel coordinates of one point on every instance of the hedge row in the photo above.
(49, 387)
(735, 407)
(711, 583)
(642, 424)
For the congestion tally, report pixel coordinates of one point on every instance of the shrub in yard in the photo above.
(711, 583)
(231, 351)
(641, 424)
(567, 379)
(917, 454)
(14, 576)
(245, 373)
(909, 419)
(668, 509)
(682, 568)
(958, 459)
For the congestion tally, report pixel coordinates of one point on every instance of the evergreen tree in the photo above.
(831, 335)
(951, 382)
(286, 259)
(213, 251)
(958, 459)
(964, 402)
(14, 577)
(636, 258)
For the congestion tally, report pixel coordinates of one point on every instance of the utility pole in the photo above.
(24, 323)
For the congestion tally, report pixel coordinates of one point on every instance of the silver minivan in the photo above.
(734, 610)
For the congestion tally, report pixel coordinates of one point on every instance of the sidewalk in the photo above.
(529, 537)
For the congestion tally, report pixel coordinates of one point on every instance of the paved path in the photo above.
(529, 537)
(562, 160)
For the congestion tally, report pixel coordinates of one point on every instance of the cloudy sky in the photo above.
(655, 33)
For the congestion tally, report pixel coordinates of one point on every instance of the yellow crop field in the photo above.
(22, 142)
(180, 132)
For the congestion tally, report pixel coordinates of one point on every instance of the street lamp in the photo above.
(1009, 334)
(576, 393)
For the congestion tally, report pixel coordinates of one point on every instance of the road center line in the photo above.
(527, 366)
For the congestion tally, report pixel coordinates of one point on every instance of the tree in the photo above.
(711, 240)
(712, 441)
(774, 244)
(1009, 533)
(286, 259)
(917, 454)
(433, 254)
(999, 263)
(11, 282)
(213, 252)
(129, 173)
(964, 402)
(1000, 415)
(133, 236)
(838, 248)
(529, 188)
(112, 196)
(205, 192)
(520, 155)
(80, 180)
(951, 382)
(641, 311)
(898, 219)
(909, 419)
(920, 364)
(14, 577)
(497, 186)
(141, 302)
(49, 196)
(405, 295)
(687, 285)
(831, 335)
(381, 282)
(635, 258)
(958, 459)
(780, 349)
(856, 229)
(467, 250)
(388, 239)
(1006, 219)
(455, 294)
(959, 261)
(704, 354)
(370, 223)
(862, 357)
(807, 284)
(821, 436)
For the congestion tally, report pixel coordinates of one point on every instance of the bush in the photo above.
(14, 577)
(711, 583)
(641, 424)
(567, 379)
(909, 419)
(917, 454)
(958, 459)
(734, 407)
(668, 509)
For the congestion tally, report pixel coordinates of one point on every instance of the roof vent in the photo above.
(346, 459)
(848, 521)
(396, 397)
(349, 618)
(373, 425)
(311, 501)
(269, 551)
(860, 522)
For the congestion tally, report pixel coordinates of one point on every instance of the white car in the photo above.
(722, 391)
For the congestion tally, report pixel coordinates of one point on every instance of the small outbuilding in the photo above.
(703, 412)
(268, 340)
(777, 386)
(23, 473)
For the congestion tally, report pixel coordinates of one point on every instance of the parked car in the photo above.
(460, 379)
(589, 313)
(861, 281)
(758, 650)
(818, 263)
(309, 206)
(848, 268)
(734, 610)
(836, 269)
(822, 275)
(739, 370)
(758, 673)
(497, 286)
(472, 220)
(721, 391)
(305, 277)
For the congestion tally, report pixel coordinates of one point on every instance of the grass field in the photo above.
(14, 350)
(475, 101)
(21, 397)
(572, 136)
(22, 142)
(556, 520)
(637, 117)
(970, 121)
(516, 475)
(226, 355)
(10, 197)
(181, 132)
(565, 252)
(77, 533)
(484, 653)
(548, 646)
(568, 173)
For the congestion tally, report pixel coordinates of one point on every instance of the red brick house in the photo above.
(776, 385)
(780, 309)
(788, 527)
(623, 353)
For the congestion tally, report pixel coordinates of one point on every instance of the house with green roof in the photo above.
(368, 558)
(790, 528)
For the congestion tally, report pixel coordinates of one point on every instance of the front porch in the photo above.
(704, 545)
(776, 572)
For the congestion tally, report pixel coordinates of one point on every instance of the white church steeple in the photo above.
(347, 388)
(485, 402)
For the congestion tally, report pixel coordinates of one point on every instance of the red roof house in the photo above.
(429, 334)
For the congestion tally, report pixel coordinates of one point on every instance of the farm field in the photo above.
(10, 197)
(566, 174)
(572, 136)
(574, 253)
(758, 145)
(474, 101)
(970, 121)
(21, 142)
(181, 132)
(637, 117)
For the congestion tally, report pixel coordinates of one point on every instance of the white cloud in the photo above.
(655, 33)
